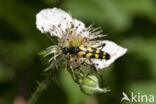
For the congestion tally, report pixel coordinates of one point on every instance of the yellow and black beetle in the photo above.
(86, 52)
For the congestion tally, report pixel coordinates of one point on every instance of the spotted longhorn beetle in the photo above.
(86, 52)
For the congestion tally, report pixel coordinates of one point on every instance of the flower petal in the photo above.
(46, 19)
(111, 48)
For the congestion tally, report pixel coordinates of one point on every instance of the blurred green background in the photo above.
(130, 23)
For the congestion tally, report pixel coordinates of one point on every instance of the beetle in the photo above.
(86, 52)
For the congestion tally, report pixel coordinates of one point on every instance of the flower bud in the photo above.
(90, 85)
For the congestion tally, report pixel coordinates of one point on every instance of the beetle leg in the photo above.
(71, 59)
(101, 45)
(94, 66)
(78, 60)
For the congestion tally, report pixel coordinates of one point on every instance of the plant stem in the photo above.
(42, 86)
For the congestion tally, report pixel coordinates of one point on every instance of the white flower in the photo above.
(46, 19)
(59, 23)
(113, 49)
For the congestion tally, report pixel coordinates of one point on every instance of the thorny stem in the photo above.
(42, 86)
